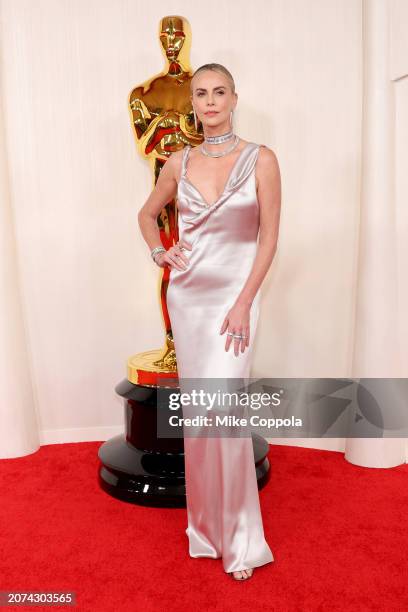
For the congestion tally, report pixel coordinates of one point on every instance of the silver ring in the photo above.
(236, 335)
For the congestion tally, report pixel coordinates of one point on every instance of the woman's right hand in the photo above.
(174, 257)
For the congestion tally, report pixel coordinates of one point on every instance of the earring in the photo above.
(231, 114)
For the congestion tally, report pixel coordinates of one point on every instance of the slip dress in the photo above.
(223, 508)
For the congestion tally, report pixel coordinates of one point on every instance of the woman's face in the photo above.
(212, 92)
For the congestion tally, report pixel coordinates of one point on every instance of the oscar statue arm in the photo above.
(140, 115)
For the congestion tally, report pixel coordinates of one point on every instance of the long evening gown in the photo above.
(223, 508)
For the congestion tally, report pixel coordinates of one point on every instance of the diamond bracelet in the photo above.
(155, 251)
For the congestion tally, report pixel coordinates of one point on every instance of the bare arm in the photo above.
(269, 198)
(237, 319)
(163, 192)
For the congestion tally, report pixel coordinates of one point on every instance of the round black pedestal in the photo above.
(140, 468)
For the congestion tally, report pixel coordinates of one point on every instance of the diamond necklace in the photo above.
(219, 139)
(211, 154)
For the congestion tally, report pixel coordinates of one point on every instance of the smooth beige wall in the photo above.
(88, 285)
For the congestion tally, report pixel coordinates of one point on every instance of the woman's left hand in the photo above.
(237, 322)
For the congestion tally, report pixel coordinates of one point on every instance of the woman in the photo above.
(228, 191)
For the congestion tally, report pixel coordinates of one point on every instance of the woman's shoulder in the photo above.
(267, 165)
(174, 163)
(265, 151)
(266, 157)
(176, 156)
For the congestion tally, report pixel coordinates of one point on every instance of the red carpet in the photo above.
(338, 533)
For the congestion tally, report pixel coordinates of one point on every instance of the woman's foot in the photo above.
(242, 574)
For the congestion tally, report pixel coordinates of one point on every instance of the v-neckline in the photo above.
(206, 204)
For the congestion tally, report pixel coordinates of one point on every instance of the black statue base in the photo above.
(140, 468)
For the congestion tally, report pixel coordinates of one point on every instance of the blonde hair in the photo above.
(216, 68)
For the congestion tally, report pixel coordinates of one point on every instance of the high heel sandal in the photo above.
(242, 577)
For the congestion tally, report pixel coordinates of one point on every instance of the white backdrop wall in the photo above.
(87, 284)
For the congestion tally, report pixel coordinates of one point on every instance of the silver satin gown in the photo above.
(223, 508)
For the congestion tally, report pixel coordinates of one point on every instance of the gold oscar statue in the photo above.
(163, 122)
